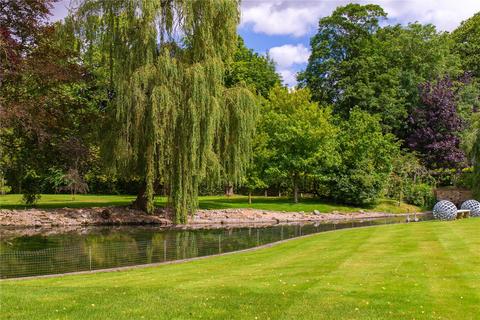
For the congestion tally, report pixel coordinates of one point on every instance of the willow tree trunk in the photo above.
(141, 202)
(229, 190)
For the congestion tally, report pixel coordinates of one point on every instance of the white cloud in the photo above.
(289, 77)
(279, 17)
(445, 14)
(299, 18)
(287, 55)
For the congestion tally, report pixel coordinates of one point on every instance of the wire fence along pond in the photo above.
(96, 248)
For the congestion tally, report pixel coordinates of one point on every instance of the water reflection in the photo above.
(108, 247)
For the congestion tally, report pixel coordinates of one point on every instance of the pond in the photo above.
(25, 252)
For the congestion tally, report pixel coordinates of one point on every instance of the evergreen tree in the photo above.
(171, 115)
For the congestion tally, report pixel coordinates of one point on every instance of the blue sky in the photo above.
(282, 28)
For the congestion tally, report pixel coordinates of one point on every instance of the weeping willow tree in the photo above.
(173, 122)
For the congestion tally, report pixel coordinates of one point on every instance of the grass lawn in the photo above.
(426, 270)
(12, 201)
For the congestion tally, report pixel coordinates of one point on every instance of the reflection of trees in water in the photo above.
(111, 250)
(105, 248)
(186, 245)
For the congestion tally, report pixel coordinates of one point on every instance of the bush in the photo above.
(4, 188)
(420, 195)
(466, 179)
(410, 181)
(32, 187)
(359, 187)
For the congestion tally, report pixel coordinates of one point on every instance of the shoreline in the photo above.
(124, 216)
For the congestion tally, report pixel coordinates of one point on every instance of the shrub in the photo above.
(32, 187)
(420, 195)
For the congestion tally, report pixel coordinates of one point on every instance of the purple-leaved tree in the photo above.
(435, 126)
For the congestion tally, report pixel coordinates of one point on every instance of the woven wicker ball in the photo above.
(473, 206)
(444, 210)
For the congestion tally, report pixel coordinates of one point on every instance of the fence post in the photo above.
(90, 256)
(165, 250)
(220, 243)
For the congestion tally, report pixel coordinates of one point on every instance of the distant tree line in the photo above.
(122, 98)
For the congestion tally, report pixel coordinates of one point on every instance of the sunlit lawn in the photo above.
(427, 270)
(208, 202)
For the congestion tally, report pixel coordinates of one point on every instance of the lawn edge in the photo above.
(157, 264)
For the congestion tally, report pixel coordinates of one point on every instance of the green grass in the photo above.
(425, 270)
(14, 201)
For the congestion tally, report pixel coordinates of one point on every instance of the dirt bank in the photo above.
(126, 216)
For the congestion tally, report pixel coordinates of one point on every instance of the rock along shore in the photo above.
(202, 218)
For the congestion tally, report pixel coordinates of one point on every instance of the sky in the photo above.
(283, 28)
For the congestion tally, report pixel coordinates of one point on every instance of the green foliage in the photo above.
(476, 164)
(49, 116)
(256, 71)
(300, 136)
(467, 44)
(170, 114)
(366, 160)
(339, 40)
(31, 184)
(74, 183)
(4, 188)
(409, 180)
(356, 62)
(466, 179)
(55, 179)
(420, 194)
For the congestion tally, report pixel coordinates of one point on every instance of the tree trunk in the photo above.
(295, 191)
(279, 194)
(249, 198)
(229, 190)
(140, 202)
(266, 193)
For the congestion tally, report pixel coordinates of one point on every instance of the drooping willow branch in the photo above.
(171, 115)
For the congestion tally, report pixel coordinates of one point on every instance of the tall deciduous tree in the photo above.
(366, 154)
(357, 63)
(341, 38)
(46, 111)
(467, 44)
(301, 136)
(436, 125)
(21, 21)
(256, 71)
(172, 116)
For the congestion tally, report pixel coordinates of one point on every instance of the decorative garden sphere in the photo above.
(444, 210)
(473, 206)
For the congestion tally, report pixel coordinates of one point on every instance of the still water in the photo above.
(25, 253)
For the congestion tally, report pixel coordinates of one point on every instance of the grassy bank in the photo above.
(14, 201)
(415, 271)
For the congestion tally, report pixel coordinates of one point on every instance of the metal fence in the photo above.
(96, 254)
